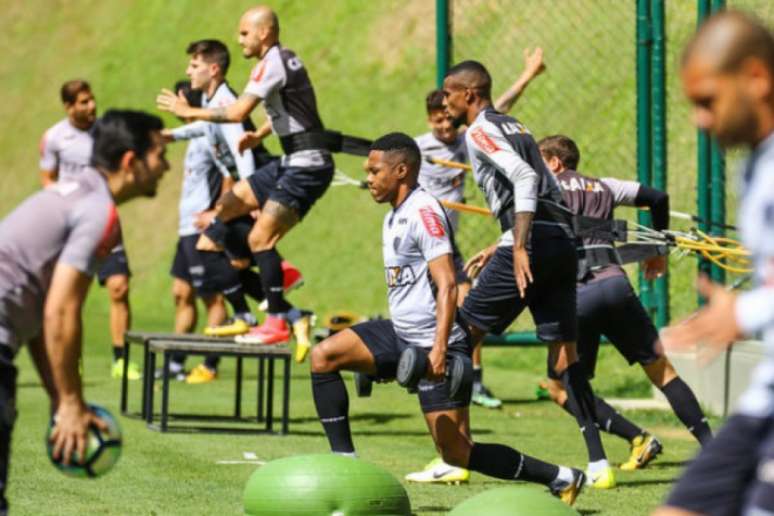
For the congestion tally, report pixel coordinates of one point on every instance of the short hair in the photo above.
(194, 97)
(731, 37)
(70, 90)
(434, 101)
(402, 146)
(474, 76)
(212, 51)
(119, 131)
(562, 147)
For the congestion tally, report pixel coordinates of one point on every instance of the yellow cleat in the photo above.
(229, 329)
(604, 479)
(644, 448)
(201, 374)
(569, 491)
(302, 331)
(132, 371)
(438, 472)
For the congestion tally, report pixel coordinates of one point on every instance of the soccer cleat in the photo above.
(483, 396)
(230, 328)
(604, 479)
(132, 371)
(201, 374)
(173, 375)
(274, 330)
(438, 472)
(569, 491)
(302, 331)
(644, 448)
(291, 280)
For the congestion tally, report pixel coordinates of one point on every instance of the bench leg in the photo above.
(165, 393)
(238, 393)
(124, 379)
(151, 384)
(286, 396)
(147, 378)
(270, 397)
(260, 389)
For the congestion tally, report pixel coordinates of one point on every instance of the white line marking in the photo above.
(227, 462)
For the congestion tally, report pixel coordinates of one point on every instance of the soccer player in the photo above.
(65, 150)
(727, 73)
(283, 191)
(534, 264)
(417, 243)
(607, 304)
(446, 142)
(49, 248)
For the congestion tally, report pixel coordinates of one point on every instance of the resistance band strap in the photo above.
(333, 141)
(631, 253)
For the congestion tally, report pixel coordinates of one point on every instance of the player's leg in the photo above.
(370, 348)
(759, 500)
(114, 276)
(7, 418)
(237, 202)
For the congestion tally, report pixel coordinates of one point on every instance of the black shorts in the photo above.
(236, 245)
(189, 266)
(459, 269)
(294, 187)
(386, 348)
(494, 302)
(7, 417)
(717, 482)
(115, 264)
(610, 307)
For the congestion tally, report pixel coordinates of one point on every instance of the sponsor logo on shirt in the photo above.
(580, 184)
(484, 141)
(399, 276)
(432, 222)
(259, 71)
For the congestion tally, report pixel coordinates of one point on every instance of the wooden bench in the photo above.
(263, 353)
(144, 338)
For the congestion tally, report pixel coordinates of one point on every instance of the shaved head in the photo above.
(262, 16)
(258, 31)
(726, 40)
(472, 75)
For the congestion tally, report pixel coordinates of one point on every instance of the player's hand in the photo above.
(70, 433)
(249, 140)
(655, 267)
(713, 327)
(533, 62)
(240, 263)
(436, 367)
(175, 104)
(521, 270)
(479, 261)
(166, 134)
(204, 219)
(205, 243)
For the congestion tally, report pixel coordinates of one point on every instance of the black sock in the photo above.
(614, 423)
(118, 353)
(686, 407)
(251, 284)
(236, 298)
(332, 402)
(179, 359)
(580, 402)
(270, 264)
(478, 374)
(500, 461)
(212, 361)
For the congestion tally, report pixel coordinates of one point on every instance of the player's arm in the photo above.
(185, 132)
(444, 278)
(37, 350)
(251, 139)
(533, 66)
(49, 162)
(232, 134)
(233, 113)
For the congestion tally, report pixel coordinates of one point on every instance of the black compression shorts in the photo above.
(115, 264)
(189, 266)
(294, 187)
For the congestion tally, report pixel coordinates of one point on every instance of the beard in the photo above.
(741, 127)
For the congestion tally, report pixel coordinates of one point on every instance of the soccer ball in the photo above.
(102, 449)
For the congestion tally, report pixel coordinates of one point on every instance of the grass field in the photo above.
(372, 63)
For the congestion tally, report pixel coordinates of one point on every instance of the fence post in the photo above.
(718, 174)
(659, 138)
(703, 160)
(443, 40)
(644, 41)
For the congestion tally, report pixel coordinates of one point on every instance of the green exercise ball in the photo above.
(514, 501)
(324, 484)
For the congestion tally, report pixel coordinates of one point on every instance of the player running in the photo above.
(607, 304)
(282, 191)
(534, 264)
(728, 75)
(65, 150)
(417, 243)
(50, 246)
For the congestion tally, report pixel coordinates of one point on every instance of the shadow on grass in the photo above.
(522, 401)
(668, 464)
(432, 509)
(35, 385)
(372, 417)
(649, 482)
(589, 511)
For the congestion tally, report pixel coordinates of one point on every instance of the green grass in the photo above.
(372, 63)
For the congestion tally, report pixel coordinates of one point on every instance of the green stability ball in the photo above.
(514, 501)
(324, 484)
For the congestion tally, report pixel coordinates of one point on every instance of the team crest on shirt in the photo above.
(484, 141)
(399, 276)
(432, 222)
